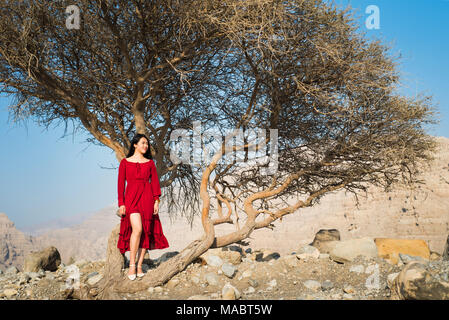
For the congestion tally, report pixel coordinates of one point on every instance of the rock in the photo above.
(405, 258)
(11, 270)
(211, 279)
(94, 279)
(348, 250)
(417, 281)
(24, 278)
(347, 296)
(47, 259)
(389, 249)
(347, 288)
(312, 284)
(10, 292)
(247, 273)
(327, 285)
(434, 256)
(273, 283)
(213, 260)
(290, 261)
(307, 252)
(231, 256)
(92, 274)
(81, 263)
(390, 279)
(324, 256)
(150, 289)
(445, 255)
(228, 269)
(323, 238)
(253, 282)
(229, 292)
(249, 290)
(158, 289)
(357, 268)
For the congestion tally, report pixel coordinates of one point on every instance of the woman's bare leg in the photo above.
(140, 258)
(136, 224)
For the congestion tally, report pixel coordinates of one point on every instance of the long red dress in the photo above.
(139, 197)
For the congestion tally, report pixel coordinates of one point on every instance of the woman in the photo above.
(140, 227)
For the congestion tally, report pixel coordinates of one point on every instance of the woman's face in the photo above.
(142, 145)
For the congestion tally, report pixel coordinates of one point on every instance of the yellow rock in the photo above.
(389, 249)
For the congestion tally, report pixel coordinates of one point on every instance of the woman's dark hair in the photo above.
(136, 140)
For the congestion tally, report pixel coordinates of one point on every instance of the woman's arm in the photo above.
(155, 186)
(121, 183)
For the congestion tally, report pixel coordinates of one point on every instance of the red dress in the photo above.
(139, 197)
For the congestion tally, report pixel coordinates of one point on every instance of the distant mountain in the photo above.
(423, 214)
(14, 244)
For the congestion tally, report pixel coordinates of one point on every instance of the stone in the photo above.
(231, 256)
(211, 278)
(253, 282)
(389, 249)
(307, 252)
(324, 256)
(158, 289)
(323, 239)
(228, 269)
(327, 285)
(290, 261)
(357, 268)
(273, 283)
(10, 292)
(213, 260)
(46, 259)
(11, 270)
(390, 279)
(405, 258)
(417, 281)
(249, 290)
(229, 292)
(247, 273)
(348, 250)
(347, 288)
(94, 279)
(312, 285)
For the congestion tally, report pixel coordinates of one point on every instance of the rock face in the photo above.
(47, 259)
(14, 245)
(389, 249)
(418, 281)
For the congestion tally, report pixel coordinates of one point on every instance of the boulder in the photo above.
(323, 238)
(417, 281)
(348, 250)
(389, 249)
(229, 292)
(307, 252)
(47, 259)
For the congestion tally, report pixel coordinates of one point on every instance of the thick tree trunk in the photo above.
(114, 281)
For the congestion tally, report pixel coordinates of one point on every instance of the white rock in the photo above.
(312, 284)
(213, 261)
(9, 292)
(357, 268)
(272, 283)
(247, 274)
(230, 292)
(211, 278)
(228, 269)
(307, 252)
(348, 250)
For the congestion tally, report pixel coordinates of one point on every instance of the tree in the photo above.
(300, 67)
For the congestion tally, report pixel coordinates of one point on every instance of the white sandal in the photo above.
(140, 275)
(132, 276)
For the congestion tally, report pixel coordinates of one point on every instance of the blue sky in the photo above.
(45, 176)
